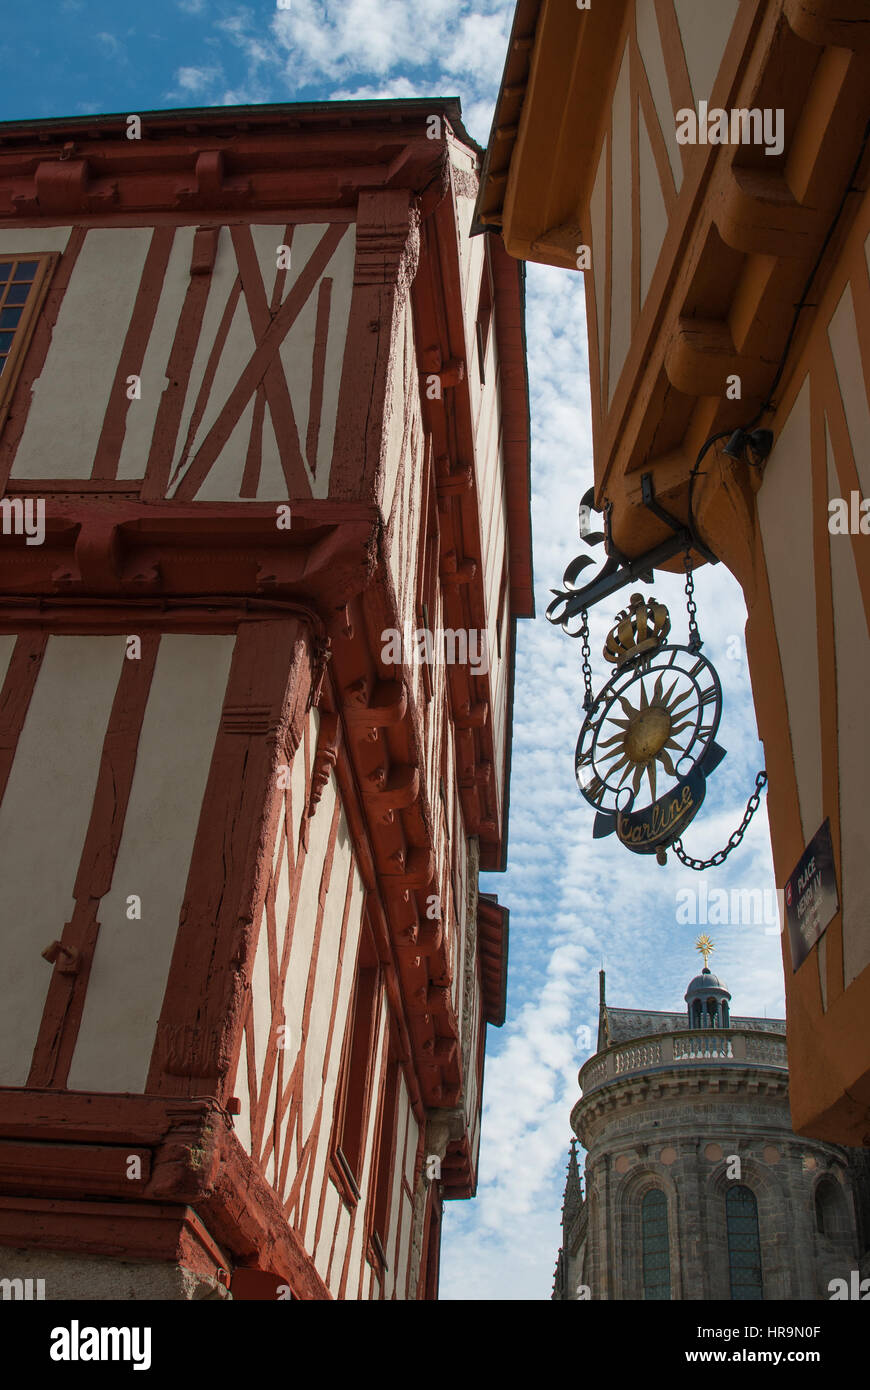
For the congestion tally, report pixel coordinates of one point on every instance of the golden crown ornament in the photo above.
(641, 627)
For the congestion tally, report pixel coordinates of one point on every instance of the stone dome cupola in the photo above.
(708, 998)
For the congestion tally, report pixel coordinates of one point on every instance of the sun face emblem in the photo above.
(647, 734)
(651, 725)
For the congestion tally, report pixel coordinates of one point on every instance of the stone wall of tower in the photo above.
(677, 1130)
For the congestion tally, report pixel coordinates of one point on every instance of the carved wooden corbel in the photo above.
(325, 758)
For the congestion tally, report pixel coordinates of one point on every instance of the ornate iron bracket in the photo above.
(619, 569)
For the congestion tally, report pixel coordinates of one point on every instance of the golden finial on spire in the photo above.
(706, 947)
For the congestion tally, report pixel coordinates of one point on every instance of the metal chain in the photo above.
(588, 699)
(695, 643)
(734, 840)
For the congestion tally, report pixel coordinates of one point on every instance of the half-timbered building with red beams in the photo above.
(262, 403)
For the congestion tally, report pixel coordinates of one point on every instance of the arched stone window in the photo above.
(832, 1215)
(725, 1021)
(744, 1245)
(698, 1017)
(656, 1245)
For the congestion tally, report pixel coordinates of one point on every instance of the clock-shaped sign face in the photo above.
(650, 727)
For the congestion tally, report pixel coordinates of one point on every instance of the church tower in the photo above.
(696, 1186)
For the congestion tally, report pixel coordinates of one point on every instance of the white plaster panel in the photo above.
(242, 1122)
(297, 791)
(786, 519)
(330, 1053)
(413, 1139)
(404, 1214)
(653, 214)
(267, 237)
(324, 981)
(16, 241)
(272, 482)
(43, 822)
(853, 683)
(473, 252)
(223, 480)
(142, 414)
(331, 1204)
(314, 728)
(620, 235)
(705, 30)
(394, 414)
(220, 283)
(261, 1006)
(297, 348)
(282, 892)
(271, 1103)
(649, 41)
(303, 929)
(470, 247)
(342, 1236)
(843, 337)
(75, 385)
(7, 647)
(341, 269)
(131, 961)
(356, 1255)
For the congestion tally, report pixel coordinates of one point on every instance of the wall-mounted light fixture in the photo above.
(751, 447)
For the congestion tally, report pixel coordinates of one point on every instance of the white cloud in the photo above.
(111, 46)
(195, 81)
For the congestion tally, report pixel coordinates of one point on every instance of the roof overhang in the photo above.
(542, 105)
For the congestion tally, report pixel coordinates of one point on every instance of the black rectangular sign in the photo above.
(811, 895)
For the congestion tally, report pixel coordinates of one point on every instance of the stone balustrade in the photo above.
(725, 1046)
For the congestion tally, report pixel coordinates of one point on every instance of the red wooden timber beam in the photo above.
(200, 1195)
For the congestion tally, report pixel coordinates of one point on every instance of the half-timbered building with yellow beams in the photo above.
(704, 164)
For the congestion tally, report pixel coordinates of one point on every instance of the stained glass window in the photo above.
(744, 1245)
(656, 1246)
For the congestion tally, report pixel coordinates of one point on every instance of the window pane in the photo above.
(2, 364)
(9, 318)
(25, 270)
(17, 294)
(6, 341)
(4, 270)
(656, 1246)
(744, 1246)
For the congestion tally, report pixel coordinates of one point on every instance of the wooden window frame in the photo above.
(23, 331)
(430, 1271)
(356, 1077)
(384, 1167)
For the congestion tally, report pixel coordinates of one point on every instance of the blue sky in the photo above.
(575, 904)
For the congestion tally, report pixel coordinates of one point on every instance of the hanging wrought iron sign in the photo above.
(648, 743)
